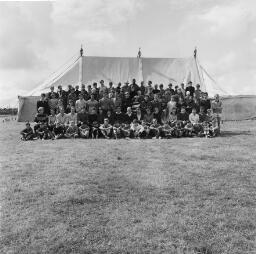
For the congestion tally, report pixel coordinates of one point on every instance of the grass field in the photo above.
(136, 196)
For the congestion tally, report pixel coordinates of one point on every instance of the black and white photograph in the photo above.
(128, 127)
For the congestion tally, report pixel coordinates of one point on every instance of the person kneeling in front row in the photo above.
(106, 129)
(72, 131)
(27, 133)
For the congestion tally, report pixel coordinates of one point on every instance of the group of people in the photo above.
(128, 111)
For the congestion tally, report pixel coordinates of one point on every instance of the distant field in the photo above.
(136, 196)
(9, 117)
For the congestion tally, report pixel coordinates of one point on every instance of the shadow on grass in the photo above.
(235, 133)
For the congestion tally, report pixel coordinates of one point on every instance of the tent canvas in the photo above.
(115, 69)
(239, 107)
(89, 69)
(170, 70)
(27, 108)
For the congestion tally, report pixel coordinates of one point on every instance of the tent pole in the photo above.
(140, 66)
(195, 57)
(81, 66)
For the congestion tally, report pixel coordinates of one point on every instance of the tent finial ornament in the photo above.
(81, 51)
(195, 52)
(139, 54)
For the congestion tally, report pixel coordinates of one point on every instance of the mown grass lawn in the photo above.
(137, 196)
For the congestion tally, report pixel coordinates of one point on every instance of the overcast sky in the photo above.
(38, 37)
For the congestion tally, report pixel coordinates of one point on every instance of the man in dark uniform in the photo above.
(43, 103)
(190, 88)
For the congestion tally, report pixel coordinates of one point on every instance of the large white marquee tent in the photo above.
(89, 69)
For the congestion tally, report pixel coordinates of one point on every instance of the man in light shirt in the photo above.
(171, 104)
(80, 104)
(194, 119)
(72, 116)
(62, 118)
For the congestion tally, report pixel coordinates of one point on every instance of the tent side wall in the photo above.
(27, 108)
(237, 108)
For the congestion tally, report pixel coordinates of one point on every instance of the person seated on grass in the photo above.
(204, 122)
(148, 117)
(84, 130)
(155, 128)
(144, 130)
(72, 116)
(210, 125)
(194, 120)
(27, 133)
(209, 115)
(72, 130)
(202, 115)
(179, 129)
(81, 117)
(40, 117)
(58, 131)
(43, 132)
(135, 129)
(166, 131)
(106, 129)
(214, 126)
(206, 130)
(117, 130)
(188, 130)
(95, 130)
(126, 130)
(51, 120)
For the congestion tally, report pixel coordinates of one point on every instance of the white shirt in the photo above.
(170, 106)
(194, 119)
(72, 117)
(62, 119)
(80, 104)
